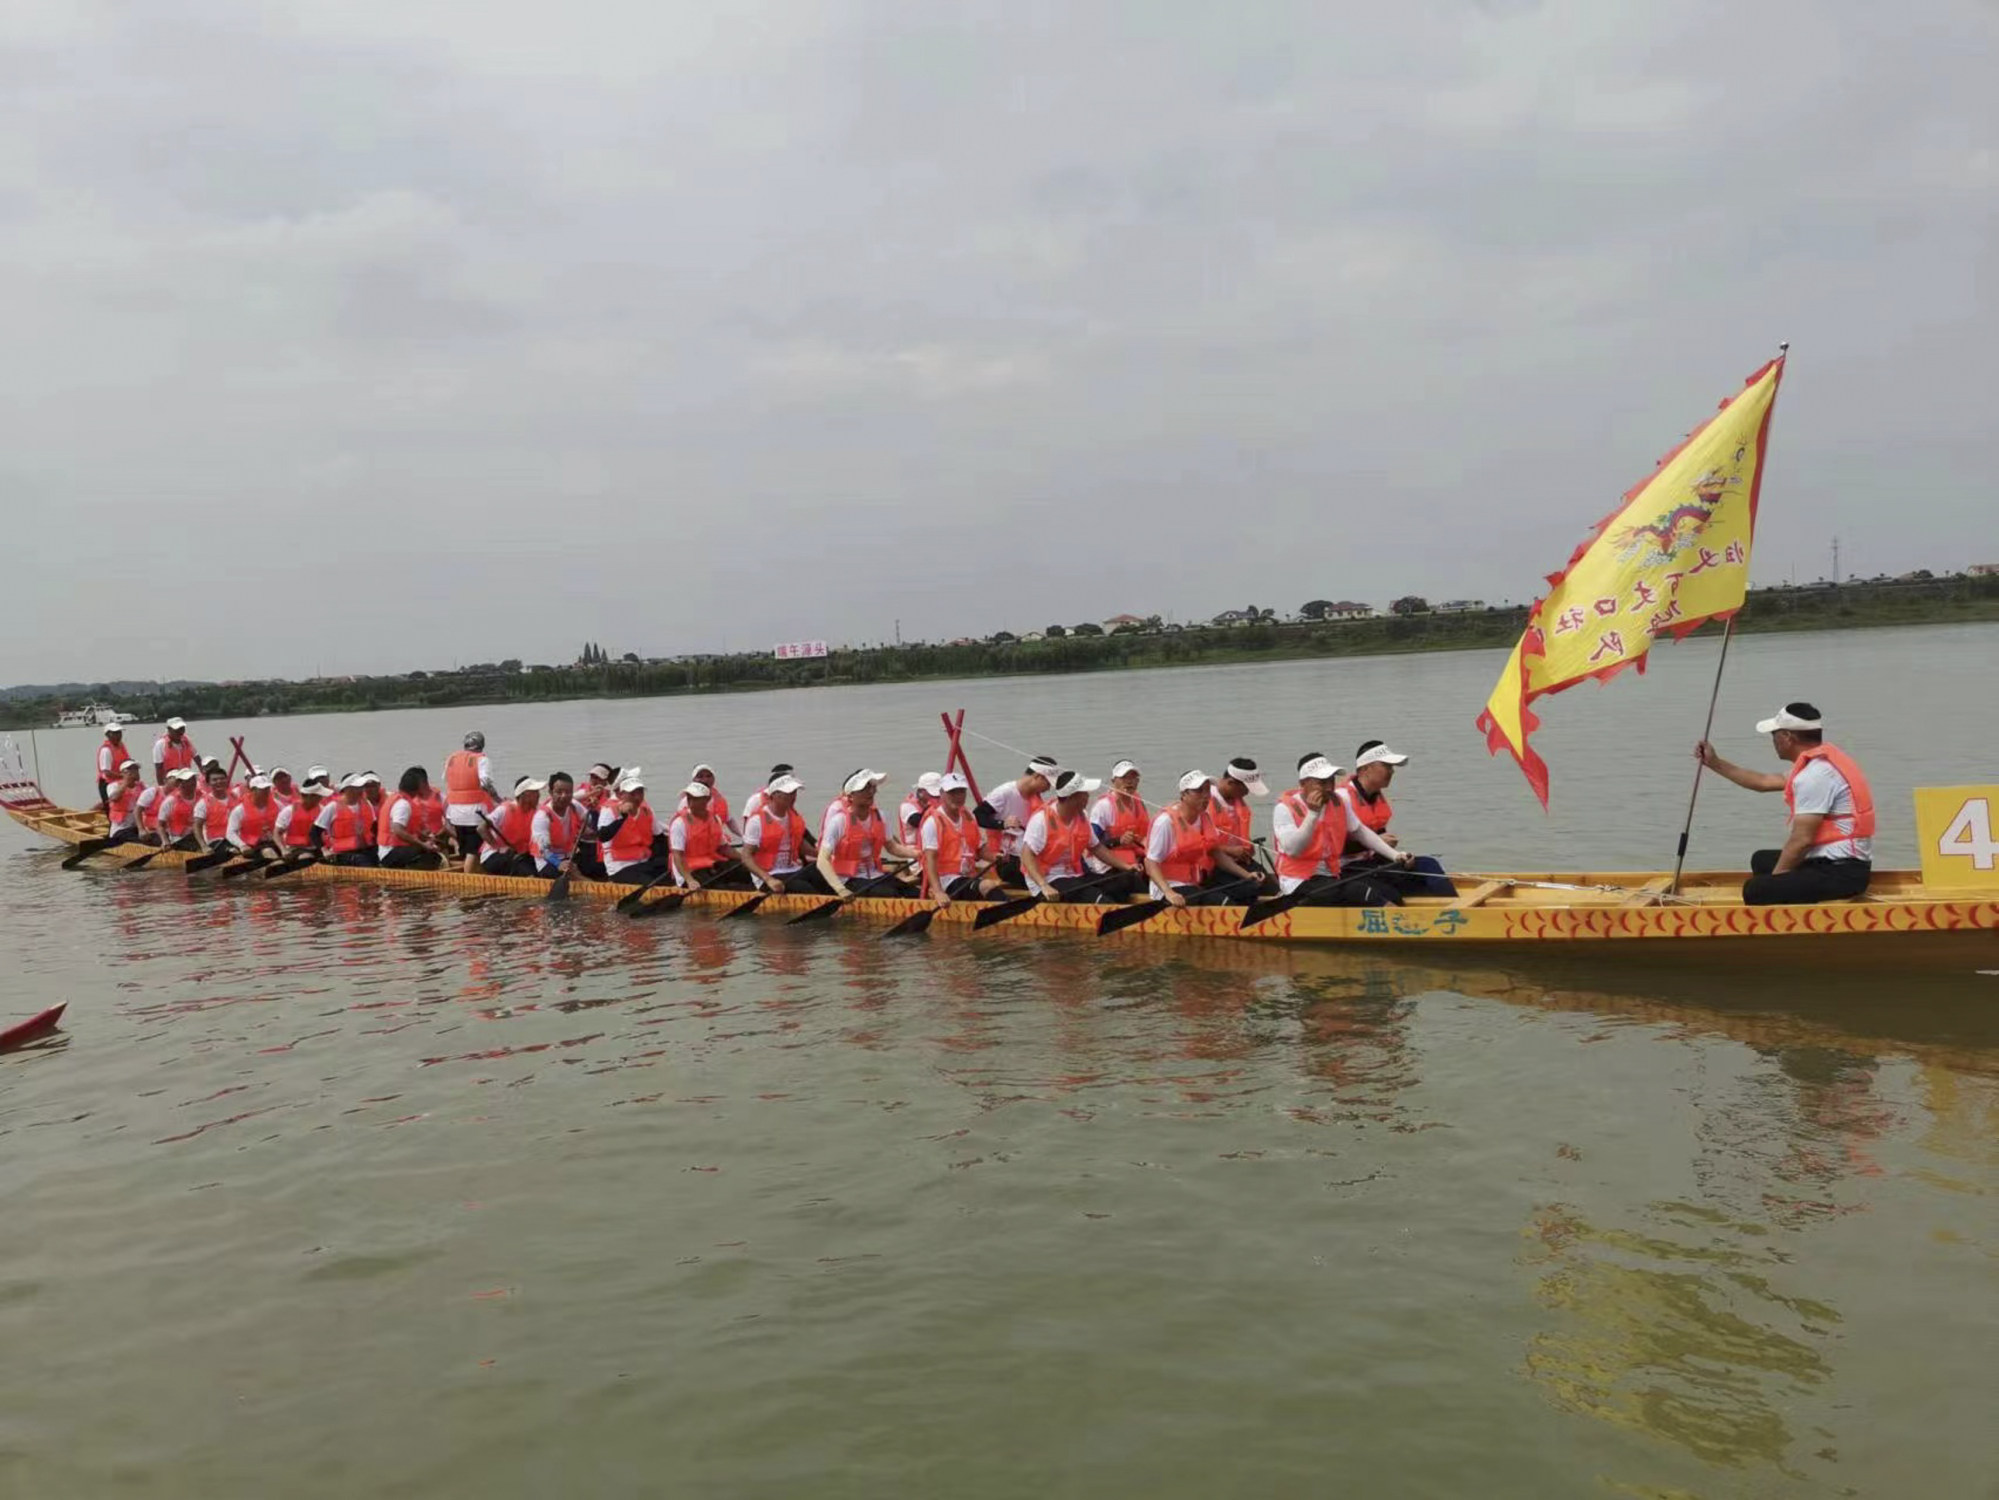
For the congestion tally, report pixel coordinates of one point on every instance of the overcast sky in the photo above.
(355, 335)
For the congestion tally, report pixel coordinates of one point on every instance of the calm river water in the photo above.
(338, 1192)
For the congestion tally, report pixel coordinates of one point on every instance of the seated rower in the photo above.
(253, 821)
(1060, 840)
(755, 800)
(951, 844)
(629, 834)
(1310, 826)
(346, 828)
(718, 805)
(1123, 822)
(776, 842)
(1234, 818)
(404, 839)
(1828, 853)
(213, 806)
(121, 803)
(176, 810)
(293, 831)
(556, 836)
(150, 798)
(698, 843)
(510, 830)
(916, 806)
(1006, 809)
(600, 787)
(1181, 852)
(283, 788)
(1366, 795)
(853, 838)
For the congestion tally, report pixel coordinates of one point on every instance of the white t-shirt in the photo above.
(467, 814)
(1035, 837)
(1291, 835)
(234, 831)
(1819, 788)
(286, 814)
(833, 828)
(786, 860)
(160, 750)
(606, 816)
(1007, 802)
(907, 817)
(1159, 845)
(147, 798)
(108, 761)
(399, 819)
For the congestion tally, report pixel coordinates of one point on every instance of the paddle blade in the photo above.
(660, 907)
(1005, 911)
(286, 868)
(33, 1029)
(209, 860)
(747, 907)
(1129, 916)
(1262, 911)
(558, 888)
(818, 913)
(84, 850)
(912, 924)
(143, 860)
(236, 872)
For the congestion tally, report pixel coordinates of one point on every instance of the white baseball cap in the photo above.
(1074, 784)
(1123, 768)
(697, 789)
(931, 782)
(185, 773)
(1792, 716)
(786, 784)
(1318, 768)
(529, 784)
(1374, 753)
(1245, 771)
(860, 781)
(319, 774)
(1193, 781)
(128, 765)
(952, 781)
(176, 723)
(259, 783)
(695, 774)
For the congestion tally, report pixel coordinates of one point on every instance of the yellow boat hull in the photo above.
(1898, 916)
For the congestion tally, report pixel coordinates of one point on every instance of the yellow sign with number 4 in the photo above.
(1957, 829)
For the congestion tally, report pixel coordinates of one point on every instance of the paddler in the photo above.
(755, 800)
(1181, 851)
(510, 831)
(630, 835)
(952, 843)
(111, 758)
(293, 829)
(1060, 840)
(252, 821)
(556, 834)
(346, 830)
(177, 810)
(283, 788)
(1123, 822)
(173, 751)
(1366, 795)
(213, 806)
(121, 803)
(150, 798)
(1828, 852)
(698, 842)
(776, 842)
(1006, 809)
(404, 839)
(718, 805)
(853, 838)
(469, 794)
(1309, 827)
(600, 787)
(916, 806)
(1234, 817)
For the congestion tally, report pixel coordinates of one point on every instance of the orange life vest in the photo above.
(1188, 860)
(462, 787)
(702, 840)
(215, 824)
(512, 825)
(431, 808)
(176, 754)
(564, 828)
(298, 832)
(176, 816)
(958, 839)
(1067, 844)
(385, 827)
(1128, 815)
(633, 840)
(149, 808)
(861, 845)
(121, 801)
(779, 835)
(1373, 815)
(1317, 857)
(119, 755)
(254, 827)
(1831, 829)
(349, 828)
(1231, 823)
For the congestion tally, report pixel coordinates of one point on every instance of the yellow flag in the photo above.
(1671, 557)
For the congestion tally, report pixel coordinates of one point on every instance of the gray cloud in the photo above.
(674, 329)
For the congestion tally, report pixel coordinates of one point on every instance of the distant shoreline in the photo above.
(1955, 601)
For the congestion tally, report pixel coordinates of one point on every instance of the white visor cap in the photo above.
(951, 781)
(1785, 719)
(1193, 781)
(1379, 755)
(1318, 768)
(860, 781)
(786, 784)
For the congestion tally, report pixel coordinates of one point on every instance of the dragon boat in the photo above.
(1899, 920)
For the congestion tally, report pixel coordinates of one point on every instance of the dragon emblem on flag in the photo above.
(1669, 534)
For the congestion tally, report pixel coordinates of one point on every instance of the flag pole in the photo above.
(1680, 860)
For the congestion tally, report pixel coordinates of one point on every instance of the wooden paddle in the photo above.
(1006, 911)
(1145, 911)
(820, 912)
(1262, 911)
(84, 850)
(747, 907)
(916, 922)
(256, 861)
(208, 861)
(660, 907)
(287, 866)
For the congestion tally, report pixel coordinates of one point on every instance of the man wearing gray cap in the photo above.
(470, 794)
(1828, 853)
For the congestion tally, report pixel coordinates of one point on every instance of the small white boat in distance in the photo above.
(92, 716)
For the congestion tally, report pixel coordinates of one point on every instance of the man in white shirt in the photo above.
(1059, 842)
(1310, 827)
(776, 842)
(173, 751)
(909, 817)
(1008, 806)
(1828, 852)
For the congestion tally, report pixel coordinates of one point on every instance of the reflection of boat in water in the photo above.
(91, 716)
(1898, 922)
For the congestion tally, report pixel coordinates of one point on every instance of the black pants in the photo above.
(122, 836)
(964, 888)
(589, 862)
(470, 836)
(1424, 878)
(506, 862)
(363, 859)
(1218, 878)
(643, 873)
(410, 857)
(1813, 880)
(1329, 890)
(1085, 890)
(806, 881)
(1117, 885)
(1239, 894)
